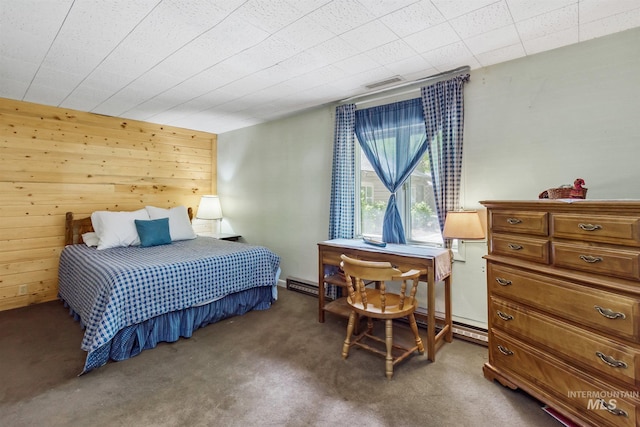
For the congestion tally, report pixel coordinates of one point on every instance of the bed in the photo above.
(129, 299)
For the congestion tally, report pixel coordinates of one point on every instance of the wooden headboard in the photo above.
(74, 228)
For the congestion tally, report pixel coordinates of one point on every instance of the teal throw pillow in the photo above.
(154, 232)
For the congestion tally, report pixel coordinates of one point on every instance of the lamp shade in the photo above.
(209, 208)
(463, 225)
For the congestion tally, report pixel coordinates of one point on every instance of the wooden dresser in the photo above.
(563, 285)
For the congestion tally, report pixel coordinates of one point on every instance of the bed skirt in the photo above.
(170, 327)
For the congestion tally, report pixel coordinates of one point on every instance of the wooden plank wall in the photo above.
(54, 160)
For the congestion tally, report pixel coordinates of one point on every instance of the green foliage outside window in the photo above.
(372, 214)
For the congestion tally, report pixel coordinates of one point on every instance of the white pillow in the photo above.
(116, 229)
(179, 224)
(90, 239)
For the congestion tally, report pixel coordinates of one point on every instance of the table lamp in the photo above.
(462, 225)
(210, 209)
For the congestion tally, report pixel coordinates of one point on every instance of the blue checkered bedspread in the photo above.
(114, 288)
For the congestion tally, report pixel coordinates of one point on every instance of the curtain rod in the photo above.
(458, 70)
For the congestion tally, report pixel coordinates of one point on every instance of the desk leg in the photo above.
(320, 288)
(431, 315)
(447, 309)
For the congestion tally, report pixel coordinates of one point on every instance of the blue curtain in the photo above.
(393, 138)
(343, 183)
(443, 106)
(342, 205)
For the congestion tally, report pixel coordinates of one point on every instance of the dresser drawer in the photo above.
(528, 248)
(619, 230)
(565, 383)
(610, 262)
(535, 223)
(606, 357)
(614, 314)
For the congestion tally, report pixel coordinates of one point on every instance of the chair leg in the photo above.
(414, 328)
(347, 340)
(389, 341)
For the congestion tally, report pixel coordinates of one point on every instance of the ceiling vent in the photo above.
(394, 79)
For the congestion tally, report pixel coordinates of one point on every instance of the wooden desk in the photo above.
(405, 257)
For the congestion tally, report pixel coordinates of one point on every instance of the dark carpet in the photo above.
(277, 367)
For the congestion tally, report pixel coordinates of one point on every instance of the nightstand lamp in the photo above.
(210, 209)
(462, 225)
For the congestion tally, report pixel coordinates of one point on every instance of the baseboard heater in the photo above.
(460, 330)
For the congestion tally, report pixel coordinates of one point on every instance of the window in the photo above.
(415, 203)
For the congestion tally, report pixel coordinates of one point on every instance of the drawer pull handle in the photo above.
(590, 227)
(612, 409)
(609, 314)
(611, 361)
(505, 350)
(504, 316)
(515, 247)
(514, 221)
(503, 282)
(591, 259)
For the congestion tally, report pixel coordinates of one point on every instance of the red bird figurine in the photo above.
(578, 192)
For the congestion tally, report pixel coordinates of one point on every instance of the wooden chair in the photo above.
(379, 304)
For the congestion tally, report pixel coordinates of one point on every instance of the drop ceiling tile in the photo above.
(413, 18)
(410, 66)
(214, 46)
(307, 6)
(59, 82)
(594, 10)
(455, 54)
(433, 38)
(340, 16)
(525, 9)
(190, 61)
(488, 18)
(45, 94)
(419, 75)
(129, 61)
(270, 16)
(272, 51)
(16, 70)
(104, 79)
(120, 102)
(453, 8)
(492, 40)
(274, 92)
(609, 25)
(84, 98)
(11, 88)
(23, 45)
(357, 82)
(69, 58)
(41, 19)
(305, 33)
(384, 7)
(392, 52)
(316, 77)
(302, 63)
(246, 85)
(334, 50)
(99, 26)
(548, 23)
(551, 41)
(357, 64)
(502, 54)
(369, 36)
